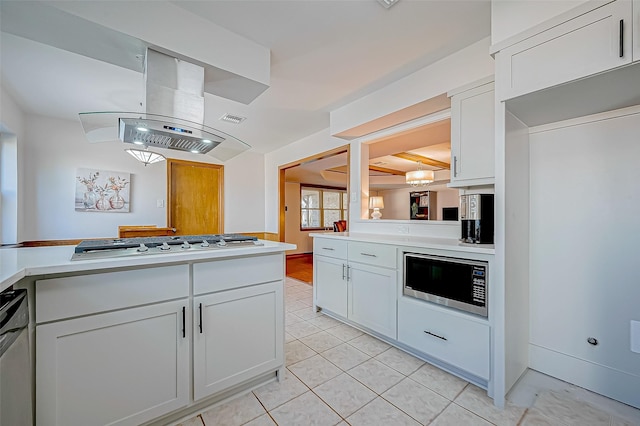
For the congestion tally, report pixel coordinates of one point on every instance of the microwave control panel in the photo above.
(479, 284)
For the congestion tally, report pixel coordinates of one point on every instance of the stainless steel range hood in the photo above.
(174, 117)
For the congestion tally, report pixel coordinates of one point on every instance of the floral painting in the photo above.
(102, 191)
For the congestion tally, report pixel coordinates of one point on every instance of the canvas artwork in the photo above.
(102, 191)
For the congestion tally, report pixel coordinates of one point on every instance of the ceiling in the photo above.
(324, 54)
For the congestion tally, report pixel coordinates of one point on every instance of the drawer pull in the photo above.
(328, 248)
(184, 322)
(435, 335)
(621, 38)
(367, 254)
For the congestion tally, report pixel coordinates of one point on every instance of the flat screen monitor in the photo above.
(449, 213)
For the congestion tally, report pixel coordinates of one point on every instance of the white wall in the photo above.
(12, 130)
(306, 147)
(292, 232)
(244, 196)
(55, 148)
(465, 66)
(510, 17)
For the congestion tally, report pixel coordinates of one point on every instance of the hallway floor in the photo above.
(336, 375)
(300, 267)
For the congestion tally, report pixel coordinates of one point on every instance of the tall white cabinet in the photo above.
(570, 91)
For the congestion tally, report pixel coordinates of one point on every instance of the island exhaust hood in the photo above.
(174, 117)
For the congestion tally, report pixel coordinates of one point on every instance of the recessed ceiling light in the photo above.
(387, 3)
(235, 119)
(138, 142)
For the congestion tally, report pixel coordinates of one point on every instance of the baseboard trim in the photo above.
(598, 378)
(296, 255)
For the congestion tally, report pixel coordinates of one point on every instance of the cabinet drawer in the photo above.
(373, 254)
(330, 247)
(450, 337)
(66, 297)
(226, 274)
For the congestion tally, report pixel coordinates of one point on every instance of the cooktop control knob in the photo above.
(221, 243)
(165, 246)
(185, 245)
(205, 243)
(143, 248)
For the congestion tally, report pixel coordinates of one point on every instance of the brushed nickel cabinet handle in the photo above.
(367, 254)
(328, 248)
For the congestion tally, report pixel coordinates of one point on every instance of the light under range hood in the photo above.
(174, 117)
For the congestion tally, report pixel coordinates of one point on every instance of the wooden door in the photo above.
(195, 197)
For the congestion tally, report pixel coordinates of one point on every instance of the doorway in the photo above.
(195, 197)
(328, 169)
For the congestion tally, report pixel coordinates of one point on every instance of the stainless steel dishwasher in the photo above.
(15, 360)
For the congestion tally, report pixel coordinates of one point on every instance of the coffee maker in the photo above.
(476, 215)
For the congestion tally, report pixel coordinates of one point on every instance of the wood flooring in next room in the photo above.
(300, 267)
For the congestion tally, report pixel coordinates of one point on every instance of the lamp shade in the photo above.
(419, 177)
(376, 202)
(146, 157)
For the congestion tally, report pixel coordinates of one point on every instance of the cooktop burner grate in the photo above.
(153, 242)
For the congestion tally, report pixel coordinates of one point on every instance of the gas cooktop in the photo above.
(101, 249)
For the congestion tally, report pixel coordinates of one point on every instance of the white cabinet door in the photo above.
(330, 284)
(472, 137)
(118, 368)
(585, 45)
(238, 335)
(372, 298)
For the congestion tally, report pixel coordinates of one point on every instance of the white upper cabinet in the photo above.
(583, 45)
(472, 134)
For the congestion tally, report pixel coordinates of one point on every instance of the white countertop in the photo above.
(17, 263)
(407, 240)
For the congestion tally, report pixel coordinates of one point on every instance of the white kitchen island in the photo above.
(148, 339)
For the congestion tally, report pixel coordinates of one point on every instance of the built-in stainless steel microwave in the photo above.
(457, 283)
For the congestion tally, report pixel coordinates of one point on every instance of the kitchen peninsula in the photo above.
(431, 297)
(157, 336)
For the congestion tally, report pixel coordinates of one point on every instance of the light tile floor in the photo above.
(336, 375)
